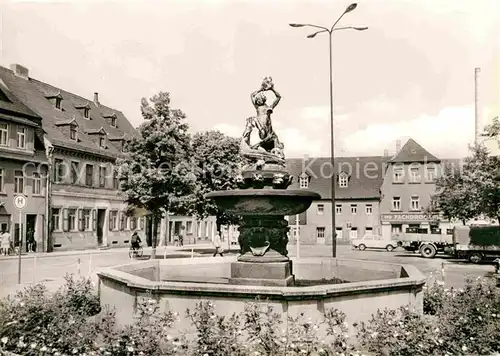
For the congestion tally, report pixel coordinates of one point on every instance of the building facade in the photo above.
(357, 198)
(408, 186)
(83, 138)
(23, 170)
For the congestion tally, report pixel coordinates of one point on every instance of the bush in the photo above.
(456, 322)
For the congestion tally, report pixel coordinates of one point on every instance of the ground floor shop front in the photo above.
(396, 223)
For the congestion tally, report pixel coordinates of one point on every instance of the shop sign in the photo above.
(407, 217)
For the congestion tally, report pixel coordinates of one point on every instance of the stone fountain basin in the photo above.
(179, 284)
(264, 201)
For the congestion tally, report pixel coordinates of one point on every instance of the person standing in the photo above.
(5, 242)
(218, 245)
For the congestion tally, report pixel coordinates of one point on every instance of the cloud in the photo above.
(446, 134)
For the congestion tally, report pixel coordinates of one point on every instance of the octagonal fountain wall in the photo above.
(358, 288)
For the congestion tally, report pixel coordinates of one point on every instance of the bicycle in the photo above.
(135, 252)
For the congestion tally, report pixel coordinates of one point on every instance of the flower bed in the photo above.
(70, 322)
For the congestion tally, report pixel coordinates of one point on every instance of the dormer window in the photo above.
(84, 109)
(102, 142)
(98, 135)
(72, 133)
(112, 119)
(343, 180)
(55, 99)
(70, 128)
(304, 181)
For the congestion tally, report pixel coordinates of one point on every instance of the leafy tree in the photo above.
(156, 173)
(470, 191)
(216, 158)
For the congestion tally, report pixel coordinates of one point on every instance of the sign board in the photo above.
(396, 217)
(20, 202)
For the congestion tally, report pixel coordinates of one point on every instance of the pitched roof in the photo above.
(366, 175)
(33, 94)
(12, 106)
(412, 152)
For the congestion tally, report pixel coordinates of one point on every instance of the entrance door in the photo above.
(30, 228)
(101, 214)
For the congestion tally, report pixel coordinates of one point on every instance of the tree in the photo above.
(156, 173)
(216, 158)
(470, 191)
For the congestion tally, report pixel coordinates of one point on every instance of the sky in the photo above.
(411, 74)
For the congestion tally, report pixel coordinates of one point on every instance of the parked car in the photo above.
(375, 242)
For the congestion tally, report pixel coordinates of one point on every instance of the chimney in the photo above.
(96, 99)
(398, 146)
(477, 107)
(386, 153)
(20, 71)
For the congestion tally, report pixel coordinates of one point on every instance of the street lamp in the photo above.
(332, 141)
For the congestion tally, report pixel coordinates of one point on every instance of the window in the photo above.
(75, 172)
(338, 209)
(133, 223)
(338, 231)
(122, 221)
(72, 132)
(415, 203)
(398, 175)
(198, 228)
(2, 179)
(86, 113)
(369, 229)
(304, 182)
(21, 137)
(4, 135)
(354, 208)
(56, 219)
(102, 177)
(343, 179)
(86, 220)
(80, 220)
(37, 184)
(58, 170)
(58, 103)
(396, 228)
(189, 227)
(396, 203)
(71, 219)
(113, 121)
(89, 175)
(116, 182)
(19, 182)
(414, 175)
(113, 220)
(320, 232)
(369, 209)
(354, 233)
(102, 142)
(431, 174)
(321, 209)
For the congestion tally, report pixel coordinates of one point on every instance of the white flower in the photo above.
(5, 339)
(43, 349)
(130, 349)
(464, 348)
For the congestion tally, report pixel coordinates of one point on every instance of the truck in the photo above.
(425, 243)
(476, 243)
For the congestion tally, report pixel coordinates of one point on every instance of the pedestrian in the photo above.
(30, 237)
(218, 246)
(181, 240)
(5, 242)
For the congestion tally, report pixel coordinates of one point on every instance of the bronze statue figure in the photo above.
(269, 149)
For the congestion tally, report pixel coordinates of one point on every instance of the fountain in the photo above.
(263, 201)
(263, 269)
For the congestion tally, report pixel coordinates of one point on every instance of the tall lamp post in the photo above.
(332, 141)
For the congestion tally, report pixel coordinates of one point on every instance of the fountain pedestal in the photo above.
(262, 274)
